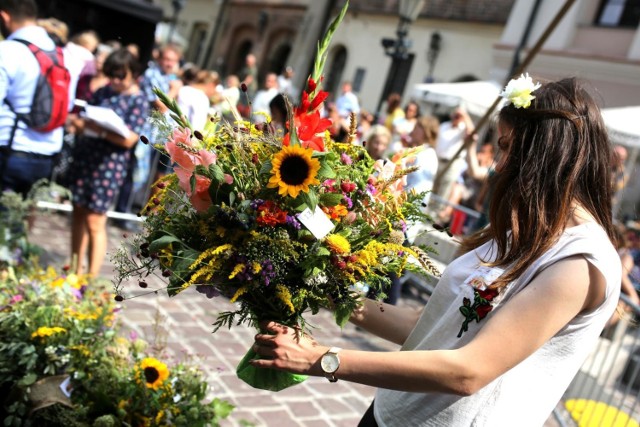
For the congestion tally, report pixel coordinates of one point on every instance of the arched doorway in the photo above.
(278, 58)
(336, 69)
(244, 48)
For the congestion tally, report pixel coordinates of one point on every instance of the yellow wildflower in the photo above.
(239, 268)
(285, 296)
(238, 294)
(45, 331)
(338, 244)
(257, 268)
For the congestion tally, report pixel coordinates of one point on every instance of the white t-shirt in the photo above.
(450, 139)
(527, 393)
(422, 179)
(195, 105)
(261, 102)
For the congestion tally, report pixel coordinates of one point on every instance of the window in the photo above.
(619, 13)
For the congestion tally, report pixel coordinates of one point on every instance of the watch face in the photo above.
(330, 363)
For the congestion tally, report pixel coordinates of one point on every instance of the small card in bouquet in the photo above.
(317, 222)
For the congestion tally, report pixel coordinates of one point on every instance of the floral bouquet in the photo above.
(282, 224)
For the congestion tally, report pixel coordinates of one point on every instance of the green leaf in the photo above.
(266, 168)
(331, 199)
(310, 199)
(326, 171)
(322, 251)
(342, 315)
(222, 408)
(216, 173)
(162, 242)
(323, 45)
(192, 183)
(28, 350)
(28, 379)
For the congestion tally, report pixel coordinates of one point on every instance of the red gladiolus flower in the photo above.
(308, 126)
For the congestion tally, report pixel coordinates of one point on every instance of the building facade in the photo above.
(467, 31)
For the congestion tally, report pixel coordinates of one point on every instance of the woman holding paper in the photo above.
(103, 152)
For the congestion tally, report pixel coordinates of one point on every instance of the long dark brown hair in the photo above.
(559, 154)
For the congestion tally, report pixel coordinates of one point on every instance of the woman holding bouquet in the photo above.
(513, 318)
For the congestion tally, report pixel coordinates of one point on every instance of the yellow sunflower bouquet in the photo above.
(282, 223)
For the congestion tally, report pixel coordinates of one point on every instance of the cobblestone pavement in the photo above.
(185, 323)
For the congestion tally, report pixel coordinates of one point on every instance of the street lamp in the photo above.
(398, 50)
(177, 5)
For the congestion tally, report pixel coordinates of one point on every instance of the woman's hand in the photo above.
(288, 349)
(75, 124)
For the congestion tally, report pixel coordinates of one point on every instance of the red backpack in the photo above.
(50, 103)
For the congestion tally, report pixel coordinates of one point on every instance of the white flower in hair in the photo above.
(518, 91)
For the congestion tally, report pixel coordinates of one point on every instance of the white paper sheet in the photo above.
(106, 118)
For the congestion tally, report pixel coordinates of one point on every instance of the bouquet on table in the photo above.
(281, 224)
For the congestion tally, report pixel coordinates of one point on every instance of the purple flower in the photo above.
(133, 335)
(210, 291)
(344, 158)
(348, 201)
(255, 204)
(267, 272)
(293, 222)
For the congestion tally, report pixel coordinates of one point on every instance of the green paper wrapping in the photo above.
(263, 378)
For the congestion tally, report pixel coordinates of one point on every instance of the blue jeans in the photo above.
(21, 170)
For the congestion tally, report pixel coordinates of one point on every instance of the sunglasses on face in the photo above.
(120, 75)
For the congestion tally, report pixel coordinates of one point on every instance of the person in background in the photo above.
(626, 285)
(249, 75)
(79, 57)
(423, 137)
(403, 126)
(470, 189)
(451, 138)
(278, 112)
(365, 123)
(260, 105)
(394, 110)
(97, 179)
(226, 100)
(134, 49)
(339, 129)
(620, 176)
(94, 77)
(377, 141)
(513, 318)
(285, 82)
(57, 30)
(347, 102)
(26, 155)
(193, 98)
(149, 163)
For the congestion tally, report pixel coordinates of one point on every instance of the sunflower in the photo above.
(293, 171)
(155, 372)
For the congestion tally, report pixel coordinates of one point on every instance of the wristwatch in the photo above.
(330, 362)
